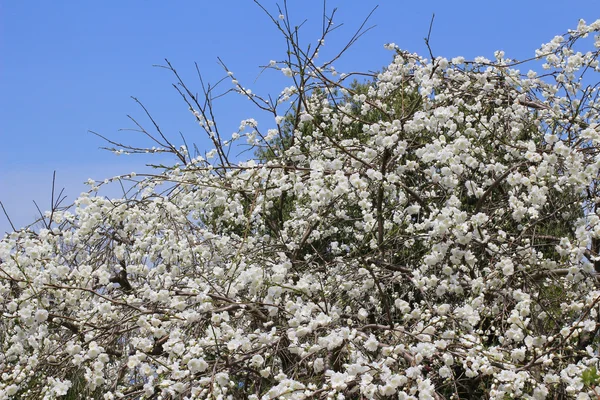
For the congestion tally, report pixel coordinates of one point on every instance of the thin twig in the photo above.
(7, 217)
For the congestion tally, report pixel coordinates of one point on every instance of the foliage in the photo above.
(429, 234)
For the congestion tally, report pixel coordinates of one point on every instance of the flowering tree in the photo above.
(429, 234)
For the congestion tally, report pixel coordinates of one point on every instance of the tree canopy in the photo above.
(430, 232)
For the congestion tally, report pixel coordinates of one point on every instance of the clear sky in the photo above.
(67, 67)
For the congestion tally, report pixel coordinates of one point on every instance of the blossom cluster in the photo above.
(430, 234)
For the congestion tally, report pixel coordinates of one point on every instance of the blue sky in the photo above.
(67, 67)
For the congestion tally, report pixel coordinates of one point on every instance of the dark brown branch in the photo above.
(121, 279)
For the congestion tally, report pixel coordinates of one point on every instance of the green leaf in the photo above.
(590, 377)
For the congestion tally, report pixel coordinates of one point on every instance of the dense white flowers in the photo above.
(430, 234)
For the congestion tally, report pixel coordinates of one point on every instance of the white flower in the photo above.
(94, 350)
(445, 372)
(338, 380)
(507, 267)
(41, 315)
(318, 365)
(133, 362)
(257, 360)
(387, 390)
(61, 388)
(518, 354)
(304, 117)
(197, 365)
(11, 390)
(371, 344)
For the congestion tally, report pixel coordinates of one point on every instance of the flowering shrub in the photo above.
(429, 234)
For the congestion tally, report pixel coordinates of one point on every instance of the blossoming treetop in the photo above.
(429, 234)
